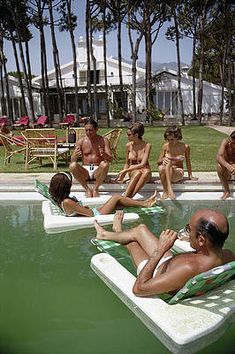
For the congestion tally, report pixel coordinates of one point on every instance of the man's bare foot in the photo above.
(95, 193)
(225, 195)
(99, 230)
(151, 200)
(164, 196)
(172, 196)
(89, 193)
(117, 221)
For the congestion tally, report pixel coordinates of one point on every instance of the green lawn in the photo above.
(203, 141)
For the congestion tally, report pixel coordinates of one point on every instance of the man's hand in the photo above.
(167, 240)
(232, 169)
(101, 150)
(76, 154)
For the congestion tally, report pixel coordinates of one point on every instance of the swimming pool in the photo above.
(51, 301)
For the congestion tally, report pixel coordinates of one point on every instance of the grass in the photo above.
(204, 143)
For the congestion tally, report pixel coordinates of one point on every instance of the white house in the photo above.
(166, 94)
(16, 98)
(165, 84)
(112, 79)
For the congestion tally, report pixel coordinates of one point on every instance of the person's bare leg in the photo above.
(137, 253)
(162, 175)
(140, 234)
(171, 194)
(81, 175)
(100, 175)
(223, 176)
(117, 221)
(144, 178)
(116, 199)
(131, 185)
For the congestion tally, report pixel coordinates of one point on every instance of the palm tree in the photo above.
(39, 21)
(59, 86)
(134, 25)
(118, 10)
(68, 22)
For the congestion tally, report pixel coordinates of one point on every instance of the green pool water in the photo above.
(52, 302)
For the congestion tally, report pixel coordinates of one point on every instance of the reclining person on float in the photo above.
(60, 188)
(158, 270)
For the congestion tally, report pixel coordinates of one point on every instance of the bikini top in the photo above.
(134, 161)
(175, 158)
(74, 213)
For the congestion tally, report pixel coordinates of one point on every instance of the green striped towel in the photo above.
(116, 250)
(142, 210)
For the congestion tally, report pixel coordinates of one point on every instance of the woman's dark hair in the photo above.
(60, 186)
(232, 135)
(137, 128)
(91, 121)
(212, 232)
(174, 130)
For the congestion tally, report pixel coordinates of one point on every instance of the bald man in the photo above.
(158, 270)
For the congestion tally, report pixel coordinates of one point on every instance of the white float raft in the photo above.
(56, 222)
(185, 327)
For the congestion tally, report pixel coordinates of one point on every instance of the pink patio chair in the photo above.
(41, 122)
(3, 120)
(68, 120)
(23, 122)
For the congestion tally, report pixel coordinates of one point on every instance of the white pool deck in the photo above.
(207, 186)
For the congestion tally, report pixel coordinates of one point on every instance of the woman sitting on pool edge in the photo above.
(60, 187)
(170, 161)
(137, 160)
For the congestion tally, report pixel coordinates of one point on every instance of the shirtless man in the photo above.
(170, 161)
(158, 270)
(226, 163)
(96, 156)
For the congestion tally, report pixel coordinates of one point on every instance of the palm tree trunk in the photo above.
(105, 66)
(71, 32)
(88, 57)
(119, 34)
(201, 63)
(18, 72)
(134, 55)
(55, 59)
(194, 79)
(179, 68)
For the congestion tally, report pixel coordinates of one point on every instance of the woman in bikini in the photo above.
(226, 163)
(137, 161)
(60, 187)
(170, 161)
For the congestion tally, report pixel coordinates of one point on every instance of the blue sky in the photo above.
(163, 50)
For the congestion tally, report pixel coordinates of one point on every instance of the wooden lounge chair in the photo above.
(42, 143)
(12, 147)
(41, 122)
(113, 137)
(22, 123)
(68, 121)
